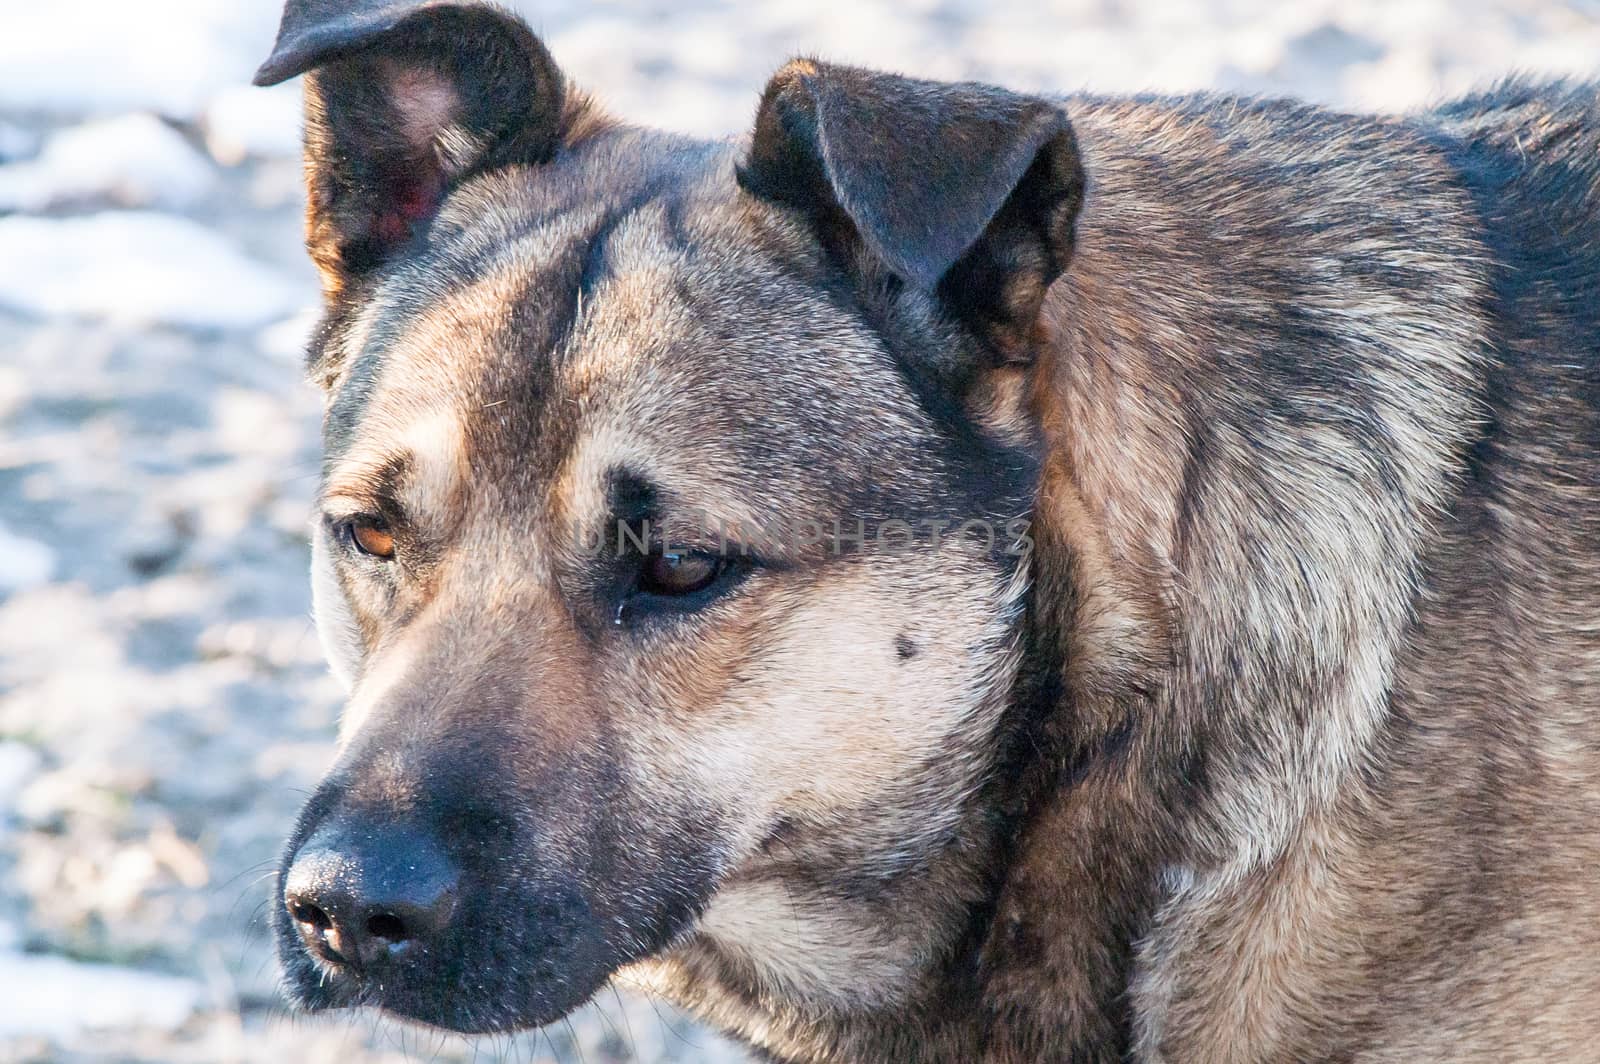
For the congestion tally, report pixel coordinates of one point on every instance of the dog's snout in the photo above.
(364, 898)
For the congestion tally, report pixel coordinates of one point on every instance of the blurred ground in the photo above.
(163, 706)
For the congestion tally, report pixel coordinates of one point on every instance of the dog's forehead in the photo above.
(628, 309)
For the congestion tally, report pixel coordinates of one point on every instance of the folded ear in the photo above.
(964, 190)
(404, 99)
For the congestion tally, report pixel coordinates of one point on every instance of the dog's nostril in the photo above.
(360, 898)
(310, 915)
(388, 927)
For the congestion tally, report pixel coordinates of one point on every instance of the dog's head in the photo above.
(672, 533)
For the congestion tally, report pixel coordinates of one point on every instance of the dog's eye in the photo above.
(679, 573)
(371, 537)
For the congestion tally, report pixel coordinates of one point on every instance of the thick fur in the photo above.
(1281, 744)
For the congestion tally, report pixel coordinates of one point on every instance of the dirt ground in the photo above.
(163, 704)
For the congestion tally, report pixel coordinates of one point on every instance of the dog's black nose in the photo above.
(363, 897)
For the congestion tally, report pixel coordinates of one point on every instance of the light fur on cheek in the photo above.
(336, 623)
(810, 945)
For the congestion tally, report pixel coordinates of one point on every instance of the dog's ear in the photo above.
(964, 190)
(404, 98)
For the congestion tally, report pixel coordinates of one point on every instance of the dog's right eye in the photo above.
(679, 573)
(677, 582)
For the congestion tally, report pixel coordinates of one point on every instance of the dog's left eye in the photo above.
(371, 537)
(680, 573)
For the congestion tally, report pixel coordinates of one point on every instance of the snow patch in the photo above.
(16, 142)
(142, 267)
(134, 161)
(243, 121)
(23, 562)
(100, 56)
(19, 763)
(288, 340)
(52, 997)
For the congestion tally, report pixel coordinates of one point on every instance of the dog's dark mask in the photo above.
(542, 325)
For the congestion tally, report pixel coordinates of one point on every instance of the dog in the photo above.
(953, 575)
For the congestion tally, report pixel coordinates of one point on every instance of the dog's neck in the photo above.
(1095, 784)
(1196, 698)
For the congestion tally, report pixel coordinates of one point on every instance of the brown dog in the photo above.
(956, 576)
